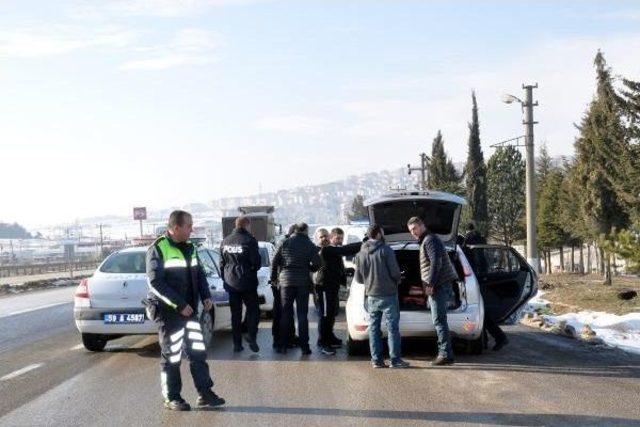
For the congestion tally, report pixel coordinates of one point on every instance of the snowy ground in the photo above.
(617, 331)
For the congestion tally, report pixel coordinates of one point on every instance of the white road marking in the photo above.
(40, 307)
(21, 371)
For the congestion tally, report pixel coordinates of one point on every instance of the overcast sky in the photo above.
(106, 106)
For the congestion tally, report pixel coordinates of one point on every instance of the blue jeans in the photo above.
(376, 307)
(438, 303)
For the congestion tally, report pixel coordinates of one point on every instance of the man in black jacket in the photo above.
(328, 280)
(239, 264)
(291, 269)
(177, 283)
(277, 304)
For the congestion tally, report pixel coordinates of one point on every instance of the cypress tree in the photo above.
(442, 173)
(597, 161)
(475, 172)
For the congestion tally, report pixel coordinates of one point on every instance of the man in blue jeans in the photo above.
(438, 275)
(377, 268)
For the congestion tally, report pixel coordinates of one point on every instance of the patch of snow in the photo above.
(617, 331)
(537, 303)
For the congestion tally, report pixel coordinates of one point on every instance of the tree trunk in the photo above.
(573, 263)
(614, 269)
(607, 273)
(581, 265)
(562, 259)
(588, 258)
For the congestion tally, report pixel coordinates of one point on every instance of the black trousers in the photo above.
(178, 335)
(492, 327)
(327, 305)
(277, 319)
(300, 296)
(250, 300)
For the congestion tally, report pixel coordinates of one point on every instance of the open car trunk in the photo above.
(410, 288)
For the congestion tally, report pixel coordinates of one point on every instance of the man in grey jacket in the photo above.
(377, 268)
(438, 275)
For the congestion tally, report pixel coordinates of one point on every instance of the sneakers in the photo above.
(325, 349)
(178, 404)
(306, 350)
(441, 361)
(500, 343)
(253, 345)
(210, 399)
(399, 364)
(378, 364)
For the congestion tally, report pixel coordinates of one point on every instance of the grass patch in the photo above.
(574, 292)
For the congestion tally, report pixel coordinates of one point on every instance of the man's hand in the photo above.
(427, 289)
(208, 304)
(187, 311)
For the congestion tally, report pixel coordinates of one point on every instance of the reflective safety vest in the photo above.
(173, 257)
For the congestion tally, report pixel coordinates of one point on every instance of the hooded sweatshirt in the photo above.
(377, 268)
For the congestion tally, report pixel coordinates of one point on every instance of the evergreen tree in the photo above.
(598, 148)
(628, 184)
(358, 210)
(543, 166)
(475, 173)
(549, 222)
(442, 173)
(505, 191)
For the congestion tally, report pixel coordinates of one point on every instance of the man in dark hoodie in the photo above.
(328, 280)
(438, 275)
(239, 265)
(377, 268)
(294, 261)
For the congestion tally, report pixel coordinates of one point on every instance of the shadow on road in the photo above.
(496, 418)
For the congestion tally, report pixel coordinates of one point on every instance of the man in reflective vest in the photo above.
(177, 282)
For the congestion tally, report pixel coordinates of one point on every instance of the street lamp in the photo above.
(528, 122)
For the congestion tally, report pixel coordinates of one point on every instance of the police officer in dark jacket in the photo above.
(177, 283)
(328, 280)
(291, 269)
(239, 265)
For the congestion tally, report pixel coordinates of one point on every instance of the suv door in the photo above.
(506, 281)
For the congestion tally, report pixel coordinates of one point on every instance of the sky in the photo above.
(109, 105)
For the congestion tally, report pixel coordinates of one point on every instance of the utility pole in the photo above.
(101, 241)
(424, 166)
(528, 122)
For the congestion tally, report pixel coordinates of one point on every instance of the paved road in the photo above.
(539, 379)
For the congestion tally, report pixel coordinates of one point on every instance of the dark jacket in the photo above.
(474, 238)
(331, 273)
(294, 260)
(240, 261)
(174, 288)
(435, 266)
(377, 268)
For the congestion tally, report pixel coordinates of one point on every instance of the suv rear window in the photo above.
(393, 216)
(125, 262)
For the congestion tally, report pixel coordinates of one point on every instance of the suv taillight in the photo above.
(82, 291)
(466, 267)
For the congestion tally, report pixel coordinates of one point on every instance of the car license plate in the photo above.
(124, 318)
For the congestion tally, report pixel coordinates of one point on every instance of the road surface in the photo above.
(47, 378)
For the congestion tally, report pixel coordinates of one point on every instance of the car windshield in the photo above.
(125, 262)
(264, 255)
(209, 265)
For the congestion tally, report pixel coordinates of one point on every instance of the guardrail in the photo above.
(32, 269)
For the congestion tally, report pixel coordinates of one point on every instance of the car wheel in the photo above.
(207, 322)
(94, 342)
(357, 348)
(475, 347)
